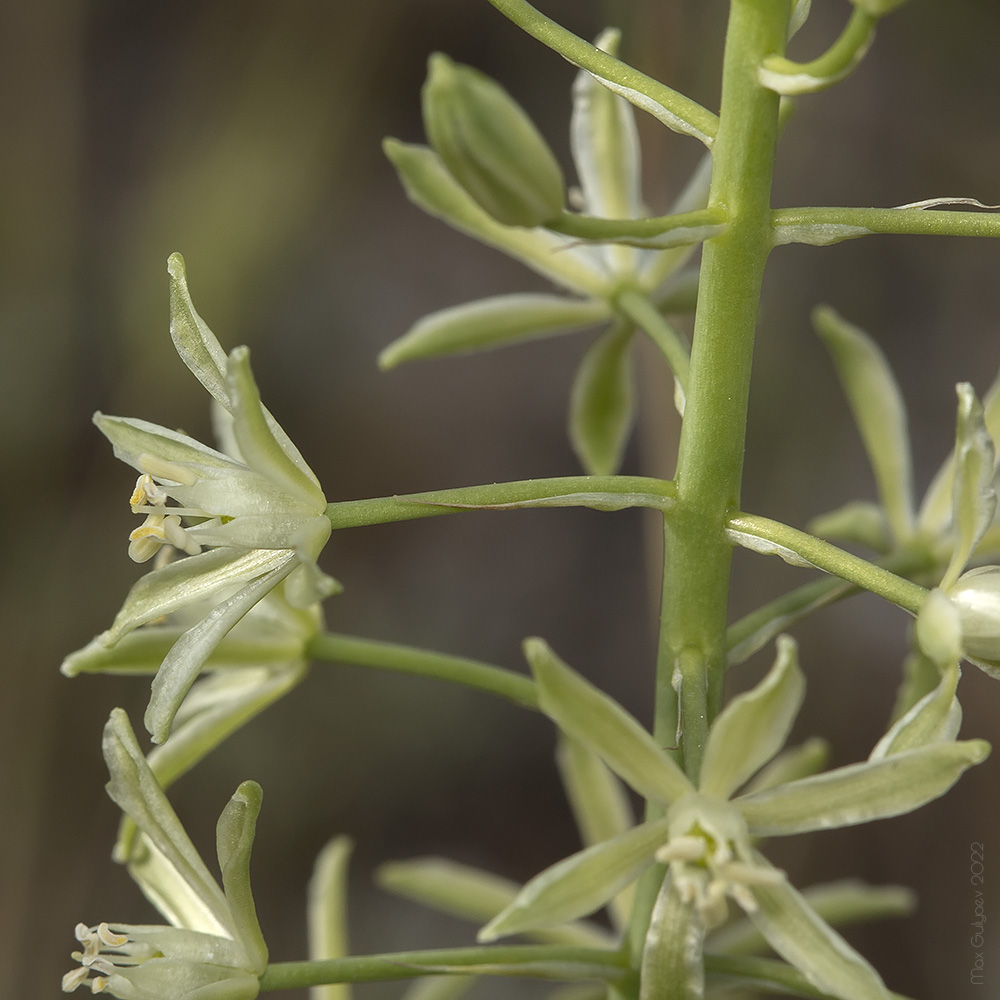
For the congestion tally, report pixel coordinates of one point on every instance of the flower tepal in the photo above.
(247, 517)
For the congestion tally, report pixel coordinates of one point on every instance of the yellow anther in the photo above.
(163, 469)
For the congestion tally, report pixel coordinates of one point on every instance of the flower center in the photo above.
(160, 527)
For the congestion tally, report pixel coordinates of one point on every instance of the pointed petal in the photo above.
(132, 439)
(138, 652)
(791, 764)
(602, 402)
(936, 718)
(135, 790)
(473, 894)
(860, 793)
(234, 840)
(847, 901)
(194, 341)
(753, 727)
(590, 716)
(261, 449)
(798, 934)
(598, 799)
(974, 500)
(183, 663)
(581, 883)
(877, 405)
(605, 145)
(327, 913)
(187, 581)
(160, 882)
(492, 322)
(672, 964)
(429, 186)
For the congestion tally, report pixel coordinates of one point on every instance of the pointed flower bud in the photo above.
(490, 145)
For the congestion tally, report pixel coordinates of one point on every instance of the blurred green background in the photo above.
(246, 134)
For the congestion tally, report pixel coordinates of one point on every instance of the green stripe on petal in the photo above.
(600, 723)
(187, 581)
(753, 727)
(860, 793)
(672, 963)
(194, 341)
(473, 894)
(605, 145)
(936, 718)
(581, 883)
(879, 412)
(429, 186)
(800, 936)
(135, 790)
(187, 656)
(327, 913)
(492, 322)
(261, 449)
(602, 402)
(974, 501)
(132, 439)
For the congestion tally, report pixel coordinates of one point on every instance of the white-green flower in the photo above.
(705, 837)
(599, 278)
(247, 517)
(259, 661)
(212, 947)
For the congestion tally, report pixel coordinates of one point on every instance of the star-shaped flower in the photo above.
(213, 948)
(705, 837)
(247, 517)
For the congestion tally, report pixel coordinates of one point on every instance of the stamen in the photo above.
(682, 849)
(74, 979)
(109, 937)
(163, 469)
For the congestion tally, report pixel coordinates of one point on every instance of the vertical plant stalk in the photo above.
(692, 651)
(697, 556)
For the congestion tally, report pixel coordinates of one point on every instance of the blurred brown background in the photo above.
(246, 135)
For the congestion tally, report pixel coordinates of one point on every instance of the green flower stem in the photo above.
(766, 975)
(789, 608)
(598, 492)
(541, 961)
(699, 121)
(647, 317)
(356, 651)
(710, 460)
(862, 573)
(832, 225)
(838, 60)
(690, 227)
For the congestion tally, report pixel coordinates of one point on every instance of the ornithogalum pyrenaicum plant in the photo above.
(230, 616)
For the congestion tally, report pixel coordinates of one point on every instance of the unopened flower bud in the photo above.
(490, 146)
(976, 594)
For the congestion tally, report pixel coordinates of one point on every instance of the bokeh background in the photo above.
(245, 134)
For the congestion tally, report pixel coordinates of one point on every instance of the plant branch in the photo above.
(804, 549)
(536, 961)
(823, 226)
(597, 492)
(336, 648)
(675, 110)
